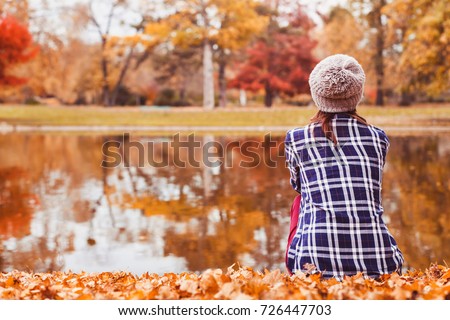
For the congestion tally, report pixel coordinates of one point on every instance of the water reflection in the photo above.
(60, 210)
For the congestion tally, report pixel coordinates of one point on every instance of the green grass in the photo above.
(423, 115)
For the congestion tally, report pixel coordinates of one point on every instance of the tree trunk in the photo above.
(379, 61)
(242, 97)
(222, 81)
(269, 94)
(106, 92)
(182, 94)
(123, 72)
(182, 87)
(105, 86)
(208, 77)
(405, 99)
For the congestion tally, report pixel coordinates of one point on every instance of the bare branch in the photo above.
(110, 16)
(94, 20)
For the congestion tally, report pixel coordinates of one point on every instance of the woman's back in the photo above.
(340, 229)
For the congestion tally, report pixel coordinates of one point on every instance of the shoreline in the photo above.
(6, 128)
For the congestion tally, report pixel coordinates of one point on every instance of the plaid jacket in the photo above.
(340, 228)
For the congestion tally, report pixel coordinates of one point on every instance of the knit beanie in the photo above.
(337, 83)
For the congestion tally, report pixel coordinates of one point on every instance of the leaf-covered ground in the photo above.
(241, 283)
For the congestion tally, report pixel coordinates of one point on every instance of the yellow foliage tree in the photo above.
(330, 40)
(358, 29)
(421, 31)
(240, 22)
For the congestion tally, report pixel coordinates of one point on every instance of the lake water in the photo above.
(61, 210)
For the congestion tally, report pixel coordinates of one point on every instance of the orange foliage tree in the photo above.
(280, 62)
(16, 46)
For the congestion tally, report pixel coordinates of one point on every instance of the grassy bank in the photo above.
(242, 283)
(421, 115)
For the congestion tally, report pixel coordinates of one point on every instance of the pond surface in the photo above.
(61, 210)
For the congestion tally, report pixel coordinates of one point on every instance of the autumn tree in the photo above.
(360, 29)
(419, 31)
(18, 9)
(223, 26)
(118, 52)
(175, 69)
(104, 34)
(280, 62)
(16, 47)
(341, 33)
(373, 21)
(66, 67)
(240, 21)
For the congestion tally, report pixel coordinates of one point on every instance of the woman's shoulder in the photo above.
(378, 130)
(297, 134)
(379, 133)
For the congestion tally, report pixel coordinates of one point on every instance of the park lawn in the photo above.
(420, 115)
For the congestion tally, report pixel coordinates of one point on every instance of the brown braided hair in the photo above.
(324, 118)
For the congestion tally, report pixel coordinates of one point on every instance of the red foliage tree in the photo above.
(16, 46)
(281, 62)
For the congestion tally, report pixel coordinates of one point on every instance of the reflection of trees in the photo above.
(37, 174)
(416, 189)
(16, 203)
(214, 243)
(211, 217)
(225, 213)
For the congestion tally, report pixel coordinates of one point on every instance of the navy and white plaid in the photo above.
(340, 228)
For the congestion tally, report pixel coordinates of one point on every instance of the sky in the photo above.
(58, 22)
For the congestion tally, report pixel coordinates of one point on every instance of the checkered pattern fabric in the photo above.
(340, 229)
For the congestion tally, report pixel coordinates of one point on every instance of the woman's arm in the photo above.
(292, 161)
(385, 143)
